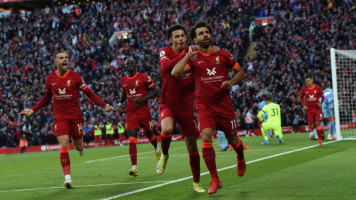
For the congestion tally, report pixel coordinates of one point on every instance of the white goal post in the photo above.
(343, 71)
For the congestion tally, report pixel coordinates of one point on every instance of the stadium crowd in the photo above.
(298, 43)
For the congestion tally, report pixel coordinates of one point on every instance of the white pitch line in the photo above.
(105, 184)
(103, 159)
(205, 173)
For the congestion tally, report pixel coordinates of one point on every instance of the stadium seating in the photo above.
(298, 44)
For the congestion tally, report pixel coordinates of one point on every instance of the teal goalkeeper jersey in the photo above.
(273, 113)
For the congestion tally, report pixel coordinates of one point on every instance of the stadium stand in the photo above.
(297, 43)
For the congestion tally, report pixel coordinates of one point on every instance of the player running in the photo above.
(177, 98)
(213, 102)
(134, 88)
(272, 121)
(63, 87)
(309, 98)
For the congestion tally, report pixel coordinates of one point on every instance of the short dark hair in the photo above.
(309, 76)
(173, 28)
(267, 97)
(57, 52)
(199, 24)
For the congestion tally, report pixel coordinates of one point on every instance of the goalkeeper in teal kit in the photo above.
(273, 121)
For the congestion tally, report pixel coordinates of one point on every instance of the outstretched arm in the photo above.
(91, 95)
(42, 103)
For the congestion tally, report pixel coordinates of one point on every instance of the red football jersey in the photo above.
(310, 96)
(177, 92)
(65, 94)
(136, 87)
(210, 70)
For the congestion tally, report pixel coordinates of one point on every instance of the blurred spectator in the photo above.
(297, 44)
(23, 143)
(249, 120)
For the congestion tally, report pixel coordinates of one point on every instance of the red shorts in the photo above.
(184, 118)
(73, 128)
(223, 121)
(137, 122)
(314, 115)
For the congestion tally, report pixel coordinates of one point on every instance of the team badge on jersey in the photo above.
(68, 83)
(218, 60)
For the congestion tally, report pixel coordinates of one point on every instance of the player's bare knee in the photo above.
(191, 144)
(167, 131)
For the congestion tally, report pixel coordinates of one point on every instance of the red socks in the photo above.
(209, 158)
(239, 149)
(153, 141)
(65, 161)
(165, 143)
(133, 150)
(319, 130)
(195, 165)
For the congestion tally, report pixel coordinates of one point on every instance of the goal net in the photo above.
(343, 71)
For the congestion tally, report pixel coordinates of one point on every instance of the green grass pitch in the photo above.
(298, 169)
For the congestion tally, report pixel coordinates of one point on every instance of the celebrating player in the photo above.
(177, 98)
(272, 121)
(63, 86)
(134, 87)
(309, 98)
(328, 110)
(213, 102)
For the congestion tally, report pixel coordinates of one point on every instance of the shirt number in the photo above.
(275, 111)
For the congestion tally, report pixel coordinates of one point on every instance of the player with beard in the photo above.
(134, 88)
(63, 87)
(213, 102)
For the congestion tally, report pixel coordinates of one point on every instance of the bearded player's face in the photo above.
(178, 40)
(62, 62)
(203, 37)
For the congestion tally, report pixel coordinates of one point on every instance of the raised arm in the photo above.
(181, 67)
(167, 65)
